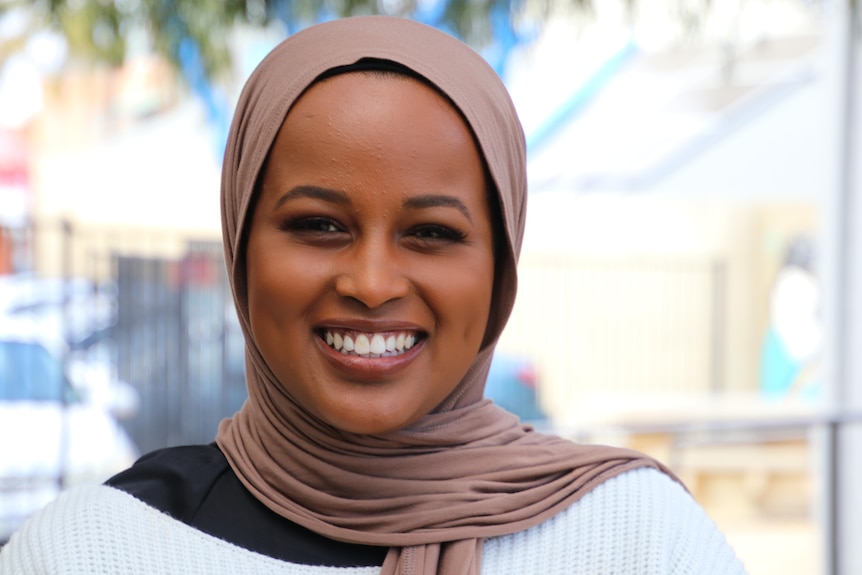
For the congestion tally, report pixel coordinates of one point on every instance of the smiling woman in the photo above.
(371, 206)
(373, 201)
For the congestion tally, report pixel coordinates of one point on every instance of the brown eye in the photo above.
(438, 233)
(315, 224)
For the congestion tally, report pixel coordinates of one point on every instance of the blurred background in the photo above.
(689, 283)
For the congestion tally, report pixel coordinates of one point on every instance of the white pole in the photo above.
(843, 290)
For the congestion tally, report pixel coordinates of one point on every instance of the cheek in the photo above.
(466, 298)
(280, 285)
(280, 291)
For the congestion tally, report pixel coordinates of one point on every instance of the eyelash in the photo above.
(438, 233)
(314, 225)
(319, 225)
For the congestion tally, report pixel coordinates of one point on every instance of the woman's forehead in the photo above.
(356, 123)
(415, 100)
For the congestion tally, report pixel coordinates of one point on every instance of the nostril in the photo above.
(370, 288)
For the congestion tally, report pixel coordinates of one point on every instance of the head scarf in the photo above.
(468, 470)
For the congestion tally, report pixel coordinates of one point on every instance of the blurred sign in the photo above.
(14, 180)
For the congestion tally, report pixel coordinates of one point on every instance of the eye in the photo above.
(434, 233)
(315, 224)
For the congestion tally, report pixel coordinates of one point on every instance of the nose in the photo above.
(372, 275)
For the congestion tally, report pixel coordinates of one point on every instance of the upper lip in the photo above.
(369, 325)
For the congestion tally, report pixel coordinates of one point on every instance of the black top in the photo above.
(195, 485)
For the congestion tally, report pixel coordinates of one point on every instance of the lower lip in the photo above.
(370, 368)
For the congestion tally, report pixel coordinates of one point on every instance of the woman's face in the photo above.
(370, 258)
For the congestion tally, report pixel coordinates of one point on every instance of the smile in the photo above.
(371, 345)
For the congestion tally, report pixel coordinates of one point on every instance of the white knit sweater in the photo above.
(639, 523)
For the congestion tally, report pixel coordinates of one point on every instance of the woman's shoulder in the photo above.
(195, 485)
(639, 522)
(175, 480)
(97, 529)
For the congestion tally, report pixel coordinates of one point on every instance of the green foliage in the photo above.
(97, 29)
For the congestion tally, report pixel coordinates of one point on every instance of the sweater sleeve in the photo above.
(641, 522)
(653, 525)
(695, 546)
(25, 553)
(48, 543)
(99, 530)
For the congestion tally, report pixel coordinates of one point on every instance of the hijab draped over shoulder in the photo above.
(468, 470)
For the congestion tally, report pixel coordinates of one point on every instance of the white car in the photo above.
(51, 437)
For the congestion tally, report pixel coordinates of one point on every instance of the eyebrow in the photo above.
(314, 192)
(436, 201)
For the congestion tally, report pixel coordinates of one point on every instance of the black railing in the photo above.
(175, 338)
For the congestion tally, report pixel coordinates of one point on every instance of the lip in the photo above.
(368, 369)
(369, 325)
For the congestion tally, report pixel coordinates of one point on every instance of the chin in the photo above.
(371, 428)
(371, 425)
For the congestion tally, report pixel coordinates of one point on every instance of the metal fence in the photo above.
(161, 314)
(178, 344)
(113, 343)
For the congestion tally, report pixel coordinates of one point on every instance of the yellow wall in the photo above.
(618, 294)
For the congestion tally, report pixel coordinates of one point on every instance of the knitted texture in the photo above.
(638, 523)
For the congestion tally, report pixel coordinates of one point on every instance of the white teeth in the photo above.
(370, 344)
(378, 344)
(348, 343)
(362, 345)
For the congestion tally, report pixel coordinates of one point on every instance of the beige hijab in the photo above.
(466, 471)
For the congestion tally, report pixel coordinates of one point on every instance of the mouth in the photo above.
(370, 344)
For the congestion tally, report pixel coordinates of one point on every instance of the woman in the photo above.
(373, 202)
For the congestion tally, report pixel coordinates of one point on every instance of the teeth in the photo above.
(370, 344)
(348, 344)
(362, 345)
(378, 344)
